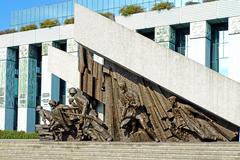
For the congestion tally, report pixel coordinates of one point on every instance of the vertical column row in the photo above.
(200, 42)
(165, 36)
(7, 78)
(50, 83)
(27, 88)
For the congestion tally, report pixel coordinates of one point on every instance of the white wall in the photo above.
(191, 13)
(36, 36)
(175, 72)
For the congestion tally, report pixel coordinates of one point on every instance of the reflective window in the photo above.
(64, 9)
(219, 53)
(182, 41)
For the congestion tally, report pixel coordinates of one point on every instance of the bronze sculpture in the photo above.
(135, 110)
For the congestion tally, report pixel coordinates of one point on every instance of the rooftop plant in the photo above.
(108, 15)
(49, 23)
(69, 21)
(7, 31)
(162, 6)
(191, 3)
(28, 27)
(131, 9)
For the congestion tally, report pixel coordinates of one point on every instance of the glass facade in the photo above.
(182, 41)
(220, 56)
(65, 9)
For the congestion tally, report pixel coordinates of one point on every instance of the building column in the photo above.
(200, 42)
(72, 48)
(165, 36)
(50, 84)
(27, 88)
(7, 94)
(234, 48)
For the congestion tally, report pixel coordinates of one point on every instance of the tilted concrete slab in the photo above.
(170, 70)
(63, 65)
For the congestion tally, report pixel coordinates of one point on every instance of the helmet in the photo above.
(72, 90)
(38, 108)
(52, 102)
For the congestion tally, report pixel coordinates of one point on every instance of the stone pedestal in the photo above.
(7, 82)
(50, 84)
(234, 48)
(165, 36)
(27, 88)
(200, 42)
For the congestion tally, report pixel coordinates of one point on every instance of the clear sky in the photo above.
(6, 6)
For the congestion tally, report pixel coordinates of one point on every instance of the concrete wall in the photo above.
(175, 72)
(65, 67)
(191, 13)
(36, 36)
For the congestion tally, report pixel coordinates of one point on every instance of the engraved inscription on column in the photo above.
(234, 25)
(1, 97)
(45, 48)
(45, 98)
(72, 45)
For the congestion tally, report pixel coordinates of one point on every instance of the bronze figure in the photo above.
(136, 109)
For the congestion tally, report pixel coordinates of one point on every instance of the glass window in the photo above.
(60, 10)
(70, 8)
(220, 52)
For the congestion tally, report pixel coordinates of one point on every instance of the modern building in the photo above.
(207, 33)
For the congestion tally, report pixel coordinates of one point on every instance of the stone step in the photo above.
(37, 150)
(130, 156)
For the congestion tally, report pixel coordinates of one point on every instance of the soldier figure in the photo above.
(58, 118)
(78, 100)
(44, 114)
(133, 112)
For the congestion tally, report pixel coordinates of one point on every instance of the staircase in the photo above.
(34, 149)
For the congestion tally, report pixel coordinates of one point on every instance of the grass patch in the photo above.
(17, 135)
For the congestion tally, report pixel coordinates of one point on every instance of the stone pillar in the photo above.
(234, 48)
(200, 42)
(165, 36)
(72, 48)
(27, 88)
(50, 84)
(7, 95)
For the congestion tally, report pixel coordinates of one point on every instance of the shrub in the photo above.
(28, 27)
(7, 31)
(191, 3)
(108, 15)
(17, 135)
(69, 21)
(208, 1)
(131, 9)
(162, 6)
(49, 23)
